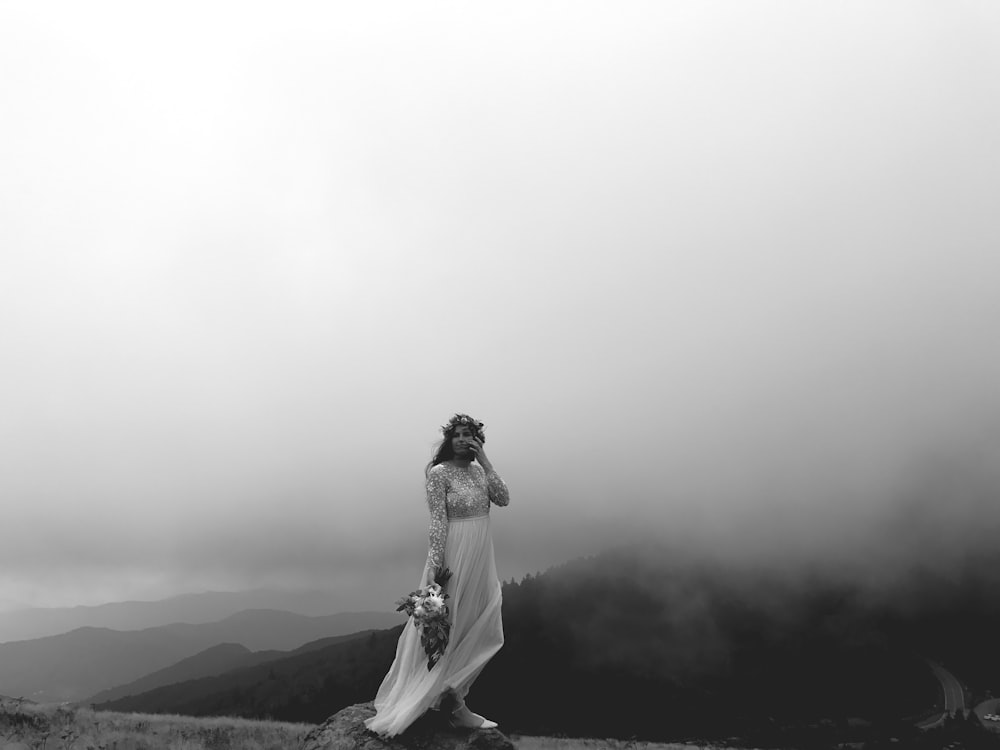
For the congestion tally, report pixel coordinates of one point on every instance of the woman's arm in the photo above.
(495, 486)
(436, 488)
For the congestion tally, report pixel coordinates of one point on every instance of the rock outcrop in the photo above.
(346, 730)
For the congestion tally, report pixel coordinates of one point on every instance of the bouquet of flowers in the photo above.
(427, 609)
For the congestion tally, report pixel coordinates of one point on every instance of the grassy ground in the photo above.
(29, 725)
(565, 743)
(61, 728)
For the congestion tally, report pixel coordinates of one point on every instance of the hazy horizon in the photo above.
(720, 274)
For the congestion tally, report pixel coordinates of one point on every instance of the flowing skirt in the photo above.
(409, 689)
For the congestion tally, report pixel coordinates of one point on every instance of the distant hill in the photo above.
(86, 661)
(19, 624)
(213, 661)
(304, 686)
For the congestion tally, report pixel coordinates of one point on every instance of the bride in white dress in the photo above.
(461, 485)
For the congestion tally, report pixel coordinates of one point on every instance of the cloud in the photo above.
(703, 279)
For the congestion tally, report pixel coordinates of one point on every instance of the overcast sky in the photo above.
(724, 272)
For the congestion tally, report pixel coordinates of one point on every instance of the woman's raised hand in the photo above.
(476, 446)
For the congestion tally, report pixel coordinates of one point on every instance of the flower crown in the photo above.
(464, 420)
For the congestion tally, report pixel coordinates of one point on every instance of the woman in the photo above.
(461, 484)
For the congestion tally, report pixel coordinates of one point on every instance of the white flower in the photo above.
(419, 611)
(434, 603)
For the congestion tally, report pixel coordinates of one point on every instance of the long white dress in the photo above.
(459, 499)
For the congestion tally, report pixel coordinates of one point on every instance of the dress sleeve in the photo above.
(437, 486)
(497, 489)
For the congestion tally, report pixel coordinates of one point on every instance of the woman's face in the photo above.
(461, 440)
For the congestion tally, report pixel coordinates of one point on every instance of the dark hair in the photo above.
(444, 451)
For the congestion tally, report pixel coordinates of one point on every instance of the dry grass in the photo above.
(567, 743)
(41, 727)
(62, 728)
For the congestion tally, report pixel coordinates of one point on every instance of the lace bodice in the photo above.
(454, 492)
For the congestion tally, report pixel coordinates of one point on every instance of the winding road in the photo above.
(954, 695)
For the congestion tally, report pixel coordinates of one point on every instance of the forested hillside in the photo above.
(624, 644)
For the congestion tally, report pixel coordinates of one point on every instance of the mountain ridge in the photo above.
(213, 661)
(19, 624)
(733, 650)
(87, 660)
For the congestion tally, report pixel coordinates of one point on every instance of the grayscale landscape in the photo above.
(720, 279)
